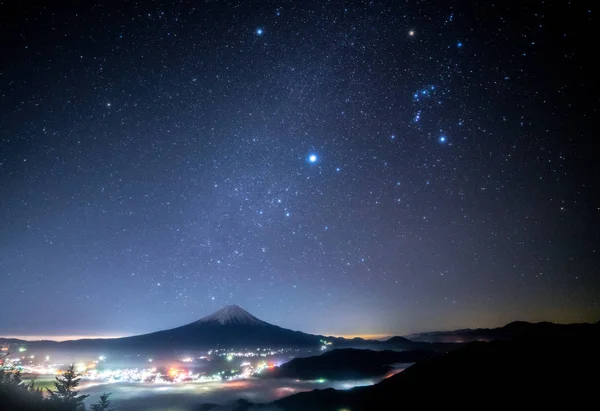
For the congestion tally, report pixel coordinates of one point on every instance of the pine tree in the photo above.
(31, 385)
(17, 377)
(4, 376)
(5, 372)
(35, 390)
(103, 404)
(65, 393)
(10, 375)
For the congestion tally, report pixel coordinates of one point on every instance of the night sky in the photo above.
(334, 167)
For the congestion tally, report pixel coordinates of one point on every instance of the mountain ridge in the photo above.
(228, 327)
(512, 330)
(234, 327)
(531, 371)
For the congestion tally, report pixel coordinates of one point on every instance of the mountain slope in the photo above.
(230, 327)
(513, 330)
(347, 363)
(531, 371)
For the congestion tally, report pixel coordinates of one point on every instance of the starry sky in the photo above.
(338, 167)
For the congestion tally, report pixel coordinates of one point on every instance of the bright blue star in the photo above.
(259, 32)
(443, 139)
(459, 44)
(312, 158)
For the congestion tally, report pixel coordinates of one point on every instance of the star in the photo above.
(204, 153)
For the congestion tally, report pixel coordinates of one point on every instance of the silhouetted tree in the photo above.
(103, 404)
(9, 374)
(36, 390)
(17, 377)
(66, 393)
(31, 384)
(16, 395)
(4, 375)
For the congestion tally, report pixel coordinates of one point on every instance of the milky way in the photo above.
(334, 167)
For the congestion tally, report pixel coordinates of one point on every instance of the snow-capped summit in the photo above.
(232, 314)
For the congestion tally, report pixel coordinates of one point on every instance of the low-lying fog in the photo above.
(187, 396)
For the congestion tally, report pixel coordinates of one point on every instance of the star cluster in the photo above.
(376, 167)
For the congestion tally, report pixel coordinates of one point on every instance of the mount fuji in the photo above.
(230, 327)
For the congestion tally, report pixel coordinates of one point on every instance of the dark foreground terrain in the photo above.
(548, 366)
(347, 364)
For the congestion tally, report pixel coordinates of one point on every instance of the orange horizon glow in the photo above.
(58, 337)
(366, 336)
(81, 337)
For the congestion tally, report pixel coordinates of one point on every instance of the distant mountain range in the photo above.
(234, 327)
(230, 327)
(511, 331)
(347, 364)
